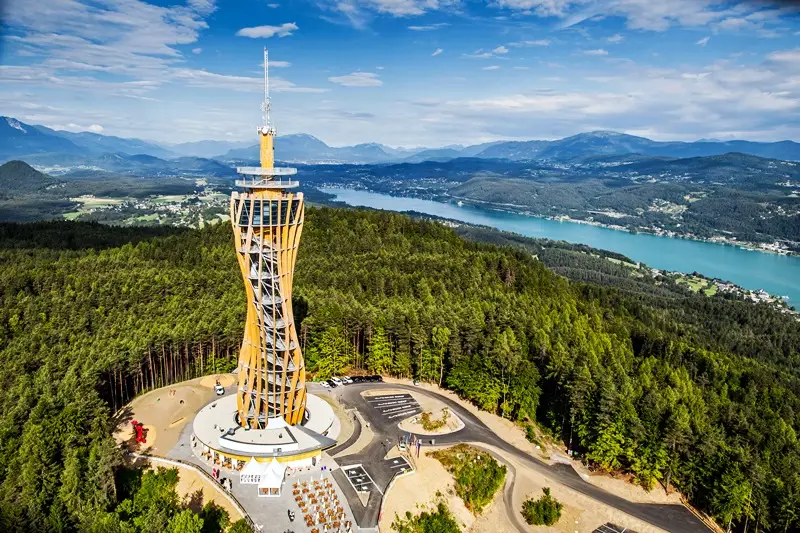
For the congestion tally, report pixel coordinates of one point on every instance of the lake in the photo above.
(777, 274)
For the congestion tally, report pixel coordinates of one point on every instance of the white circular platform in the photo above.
(215, 426)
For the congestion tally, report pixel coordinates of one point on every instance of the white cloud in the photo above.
(703, 41)
(437, 52)
(379, 68)
(521, 44)
(358, 13)
(521, 68)
(479, 54)
(597, 52)
(616, 38)
(788, 56)
(211, 80)
(429, 27)
(496, 53)
(265, 32)
(357, 79)
(117, 36)
(542, 8)
(273, 6)
(646, 15)
(75, 128)
(491, 67)
(276, 64)
(196, 50)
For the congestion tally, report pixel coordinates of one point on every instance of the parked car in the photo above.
(336, 380)
(347, 380)
(332, 384)
(325, 384)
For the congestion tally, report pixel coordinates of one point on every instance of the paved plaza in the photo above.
(271, 514)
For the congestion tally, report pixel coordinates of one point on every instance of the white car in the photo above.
(338, 381)
(347, 380)
(219, 389)
(324, 384)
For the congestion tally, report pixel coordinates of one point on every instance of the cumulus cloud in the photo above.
(597, 52)
(616, 38)
(437, 52)
(500, 50)
(703, 41)
(265, 32)
(357, 79)
(196, 50)
(491, 67)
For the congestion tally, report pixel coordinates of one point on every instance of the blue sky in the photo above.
(405, 72)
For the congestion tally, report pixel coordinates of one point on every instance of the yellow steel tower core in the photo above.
(267, 221)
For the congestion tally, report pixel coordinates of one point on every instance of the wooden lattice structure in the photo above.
(267, 222)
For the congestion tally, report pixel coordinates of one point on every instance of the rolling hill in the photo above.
(18, 177)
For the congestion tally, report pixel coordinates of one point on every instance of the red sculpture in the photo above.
(138, 428)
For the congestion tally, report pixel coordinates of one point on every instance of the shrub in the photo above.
(477, 474)
(542, 512)
(439, 521)
(240, 526)
(432, 425)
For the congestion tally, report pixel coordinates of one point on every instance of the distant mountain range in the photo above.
(302, 148)
(38, 144)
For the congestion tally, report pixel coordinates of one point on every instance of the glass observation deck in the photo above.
(264, 178)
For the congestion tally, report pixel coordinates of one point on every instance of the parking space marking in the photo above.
(360, 479)
(398, 463)
(392, 406)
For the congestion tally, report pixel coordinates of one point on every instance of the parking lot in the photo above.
(359, 478)
(394, 406)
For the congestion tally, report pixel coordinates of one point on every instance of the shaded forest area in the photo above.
(702, 394)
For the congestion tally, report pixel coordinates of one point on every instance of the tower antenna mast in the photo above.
(266, 106)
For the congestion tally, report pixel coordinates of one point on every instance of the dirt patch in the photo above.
(164, 413)
(413, 424)
(181, 421)
(196, 490)
(225, 380)
(124, 436)
(417, 492)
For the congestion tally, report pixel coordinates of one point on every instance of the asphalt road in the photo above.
(675, 518)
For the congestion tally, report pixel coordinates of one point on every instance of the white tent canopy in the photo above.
(253, 472)
(272, 479)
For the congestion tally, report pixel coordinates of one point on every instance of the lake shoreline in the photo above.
(775, 273)
(749, 246)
